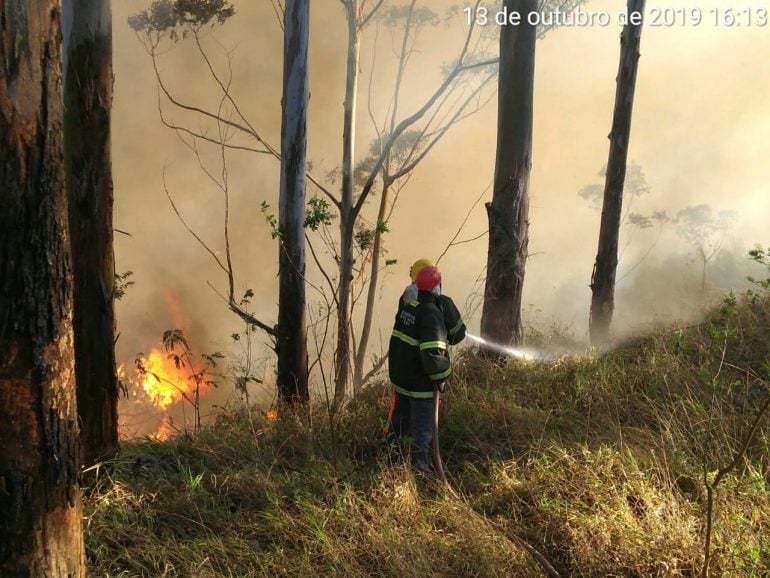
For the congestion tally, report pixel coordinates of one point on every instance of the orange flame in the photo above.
(163, 381)
(164, 432)
(272, 414)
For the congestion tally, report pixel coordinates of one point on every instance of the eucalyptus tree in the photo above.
(403, 141)
(508, 212)
(291, 331)
(606, 265)
(87, 67)
(41, 522)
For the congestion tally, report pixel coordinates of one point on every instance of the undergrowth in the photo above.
(600, 462)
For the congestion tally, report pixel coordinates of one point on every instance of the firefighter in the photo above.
(453, 320)
(418, 362)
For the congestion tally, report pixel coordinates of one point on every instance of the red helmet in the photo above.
(428, 278)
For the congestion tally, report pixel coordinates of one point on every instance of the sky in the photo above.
(700, 133)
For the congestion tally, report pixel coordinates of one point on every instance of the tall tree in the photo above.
(41, 521)
(414, 143)
(346, 208)
(395, 153)
(508, 212)
(605, 268)
(399, 161)
(291, 337)
(87, 103)
(408, 140)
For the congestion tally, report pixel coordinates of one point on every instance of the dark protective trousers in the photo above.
(413, 418)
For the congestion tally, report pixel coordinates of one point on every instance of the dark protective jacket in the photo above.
(417, 355)
(453, 320)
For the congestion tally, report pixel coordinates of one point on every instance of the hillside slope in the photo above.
(598, 462)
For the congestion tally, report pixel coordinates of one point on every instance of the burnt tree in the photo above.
(606, 265)
(508, 212)
(87, 103)
(291, 334)
(41, 520)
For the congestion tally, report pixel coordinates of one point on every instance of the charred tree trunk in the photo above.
(605, 268)
(347, 212)
(40, 524)
(509, 210)
(87, 103)
(291, 336)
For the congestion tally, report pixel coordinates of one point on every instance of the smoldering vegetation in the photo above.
(661, 291)
(722, 167)
(602, 462)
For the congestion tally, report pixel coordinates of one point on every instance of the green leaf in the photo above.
(318, 214)
(364, 238)
(173, 338)
(382, 226)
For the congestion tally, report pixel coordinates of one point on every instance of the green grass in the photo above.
(596, 461)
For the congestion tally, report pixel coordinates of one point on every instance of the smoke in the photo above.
(697, 139)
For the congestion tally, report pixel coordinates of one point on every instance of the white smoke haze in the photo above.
(701, 135)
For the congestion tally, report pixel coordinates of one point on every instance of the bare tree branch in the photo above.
(323, 271)
(226, 94)
(189, 229)
(243, 314)
(377, 366)
(226, 192)
(320, 347)
(246, 128)
(279, 12)
(365, 20)
(206, 113)
(470, 113)
(402, 59)
(370, 91)
(407, 122)
(462, 225)
(408, 168)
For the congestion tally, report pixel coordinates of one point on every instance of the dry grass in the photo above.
(597, 461)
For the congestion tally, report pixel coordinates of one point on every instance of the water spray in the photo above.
(518, 352)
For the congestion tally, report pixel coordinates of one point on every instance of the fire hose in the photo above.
(541, 560)
(438, 464)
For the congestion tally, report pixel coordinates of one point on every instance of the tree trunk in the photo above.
(291, 337)
(374, 277)
(347, 213)
(41, 520)
(87, 100)
(704, 263)
(509, 210)
(371, 293)
(605, 268)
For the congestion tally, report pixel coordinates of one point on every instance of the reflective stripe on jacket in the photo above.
(417, 356)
